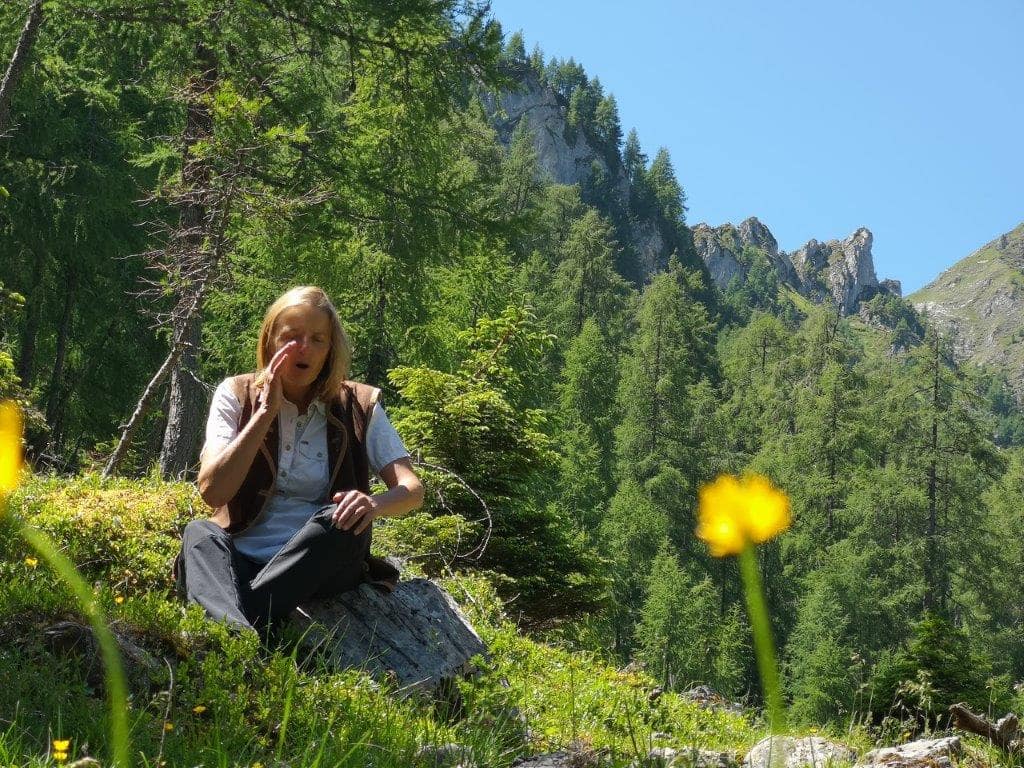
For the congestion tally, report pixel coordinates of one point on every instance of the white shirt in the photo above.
(302, 465)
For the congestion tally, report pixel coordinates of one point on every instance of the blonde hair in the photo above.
(336, 366)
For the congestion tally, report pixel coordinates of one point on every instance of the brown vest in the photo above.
(348, 414)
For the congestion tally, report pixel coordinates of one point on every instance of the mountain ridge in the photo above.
(980, 302)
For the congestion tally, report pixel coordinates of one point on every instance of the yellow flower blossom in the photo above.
(31, 562)
(10, 447)
(736, 512)
(168, 727)
(199, 709)
(119, 599)
(60, 749)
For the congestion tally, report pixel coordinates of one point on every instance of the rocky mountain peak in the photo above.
(840, 270)
(753, 233)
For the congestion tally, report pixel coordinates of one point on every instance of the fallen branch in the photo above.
(1005, 733)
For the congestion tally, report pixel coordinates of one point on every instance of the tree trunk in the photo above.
(187, 404)
(57, 375)
(21, 52)
(931, 555)
(378, 358)
(33, 319)
(142, 408)
(188, 398)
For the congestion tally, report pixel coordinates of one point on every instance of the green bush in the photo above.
(937, 667)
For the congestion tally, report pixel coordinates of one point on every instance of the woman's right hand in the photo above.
(271, 394)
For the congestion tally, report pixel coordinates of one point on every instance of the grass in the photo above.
(215, 699)
(220, 700)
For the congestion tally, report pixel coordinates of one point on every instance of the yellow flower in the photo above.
(168, 727)
(10, 446)
(31, 562)
(60, 749)
(734, 513)
(199, 709)
(119, 599)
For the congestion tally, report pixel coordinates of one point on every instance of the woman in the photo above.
(286, 465)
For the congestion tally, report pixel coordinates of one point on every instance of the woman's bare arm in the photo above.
(222, 473)
(404, 494)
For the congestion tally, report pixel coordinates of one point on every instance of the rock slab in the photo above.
(415, 635)
(923, 753)
(690, 757)
(791, 752)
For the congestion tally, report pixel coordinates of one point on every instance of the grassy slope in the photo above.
(983, 297)
(222, 700)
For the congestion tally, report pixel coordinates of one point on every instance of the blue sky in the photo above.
(818, 117)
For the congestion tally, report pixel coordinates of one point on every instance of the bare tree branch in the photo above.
(21, 52)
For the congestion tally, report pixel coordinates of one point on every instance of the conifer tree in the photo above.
(515, 49)
(669, 354)
(607, 127)
(586, 281)
(586, 409)
(668, 193)
(676, 632)
(630, 535)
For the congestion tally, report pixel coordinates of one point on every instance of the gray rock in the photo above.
(444, 755)
(721, 261)
(689, 757)
(893, 287)
(840, 270)
(563, 158)
(923, 753)
(791, 752)
(143, 671)
(553, 760)
(416, 635)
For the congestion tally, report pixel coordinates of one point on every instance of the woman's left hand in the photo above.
(355, 511)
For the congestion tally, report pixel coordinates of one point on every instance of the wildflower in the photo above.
(60, 749)
(168, 727)
(31, 562)
(734, 513)
(10, 446)
(199, 709)
(119, 599)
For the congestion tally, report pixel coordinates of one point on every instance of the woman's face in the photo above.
(310, 329)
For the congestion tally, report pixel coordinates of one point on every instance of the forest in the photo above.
(168, 169)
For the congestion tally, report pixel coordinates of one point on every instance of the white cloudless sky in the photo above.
(818, 117)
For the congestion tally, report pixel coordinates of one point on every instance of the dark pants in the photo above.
(318, 561)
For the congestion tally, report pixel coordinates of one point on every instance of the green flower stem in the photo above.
(117, 698)
(764, 647)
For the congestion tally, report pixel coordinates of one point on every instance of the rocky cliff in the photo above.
(980, 300)
(840, 270)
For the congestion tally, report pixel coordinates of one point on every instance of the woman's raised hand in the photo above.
(272, 393)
